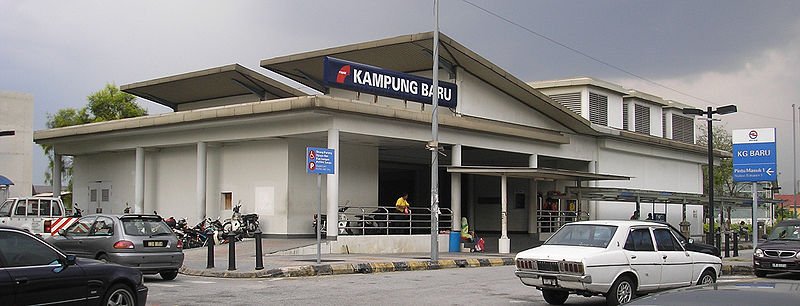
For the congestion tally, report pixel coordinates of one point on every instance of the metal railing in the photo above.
(383, 220)
(549, 221)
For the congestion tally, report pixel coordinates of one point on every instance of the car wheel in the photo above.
(707, 277)
(103, 258)
(119, 294)
(760, 273)
(168, 275)
(622, 291)
(555, 297)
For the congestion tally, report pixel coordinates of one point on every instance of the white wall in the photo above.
(114, 168)
(16, 161)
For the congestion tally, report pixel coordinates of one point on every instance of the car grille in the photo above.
(779, 253)
(547, 266)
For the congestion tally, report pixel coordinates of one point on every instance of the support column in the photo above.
(505, 243)
(455, 190)
(56, 174)
(202, 159)
(533, 162)
(138, 207)
(332, 186)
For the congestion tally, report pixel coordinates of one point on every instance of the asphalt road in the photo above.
(469, 286)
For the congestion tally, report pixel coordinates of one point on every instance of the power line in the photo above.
(607, 63)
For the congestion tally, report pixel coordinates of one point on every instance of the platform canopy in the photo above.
(536, 173)
(656, 196)
(4, 181)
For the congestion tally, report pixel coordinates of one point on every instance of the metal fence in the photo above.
(387, 220)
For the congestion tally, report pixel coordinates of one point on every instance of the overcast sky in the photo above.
(702, 53)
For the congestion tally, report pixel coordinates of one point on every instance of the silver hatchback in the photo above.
(143, 242)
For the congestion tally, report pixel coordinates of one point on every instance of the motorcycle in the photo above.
(250, 224)
(234, 223)
(342, 224)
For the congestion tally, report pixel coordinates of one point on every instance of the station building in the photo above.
(516, 159)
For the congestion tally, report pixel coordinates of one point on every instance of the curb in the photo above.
(737, 270)
(354, 268)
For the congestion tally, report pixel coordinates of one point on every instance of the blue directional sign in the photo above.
(754, 155)
(319, 160)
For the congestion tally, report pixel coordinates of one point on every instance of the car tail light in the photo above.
(47, 226)
(571, 267)
(123, 244)
(180, 244)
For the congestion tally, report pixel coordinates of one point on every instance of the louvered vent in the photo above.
(663, 124)
(625, 117)
(642, 118)
(682, 128)
(572, 101)
(598, 109)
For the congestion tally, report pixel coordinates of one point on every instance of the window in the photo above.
(227, 200)
(44, 208)
(663, 124)
(81, 227)
(33, 208)
(682, 128)
(104, 195)
(665, 241)
(56, 208)
(138, 226)
(598, 109)
(642, 118)
(583, 235)
(22, 207)
(572, 101)
(625, 116)
(5, 209)
(20, 250)
(104, 226)
(93, 195)
(639, 240)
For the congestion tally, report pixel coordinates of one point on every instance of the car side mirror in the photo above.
(70, 260)
(690, 241)
(764, 236)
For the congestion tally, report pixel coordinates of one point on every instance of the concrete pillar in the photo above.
(455, 190)
(202, 159)
(533, 207)
(56, 174)
(138, 207)
(505, 243)
(332, 186)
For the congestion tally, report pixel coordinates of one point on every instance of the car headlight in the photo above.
(759, 253)
(797, 255)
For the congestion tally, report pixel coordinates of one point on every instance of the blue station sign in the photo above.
(382, 82)
(320, 160)
(754, 155)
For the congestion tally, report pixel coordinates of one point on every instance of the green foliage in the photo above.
(106, 104)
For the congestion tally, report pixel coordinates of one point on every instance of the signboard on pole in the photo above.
(319, 160)
(388, 83)
(754, 155)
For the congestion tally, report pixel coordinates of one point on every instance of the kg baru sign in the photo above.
(754, 155)
(382, 82)
(319, 160)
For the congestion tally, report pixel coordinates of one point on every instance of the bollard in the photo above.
(210, 243)
(735, 244)
(231, 251)
(727, 244)
(259, 253)
(718, 241)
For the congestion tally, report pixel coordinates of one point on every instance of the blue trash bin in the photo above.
(455, 241)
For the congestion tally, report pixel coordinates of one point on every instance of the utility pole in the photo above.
(434, 145)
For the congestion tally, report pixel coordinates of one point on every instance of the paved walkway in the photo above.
(278, 265)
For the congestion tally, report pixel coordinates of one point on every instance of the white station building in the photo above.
(513, 154)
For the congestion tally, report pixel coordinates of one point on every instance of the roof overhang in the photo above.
(4, 181)
(221, 82)
(536, 173)
(654, 196)
(413, 53)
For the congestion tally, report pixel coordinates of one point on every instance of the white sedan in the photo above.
(616, 259)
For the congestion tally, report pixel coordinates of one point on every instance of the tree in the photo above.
(723, 171)
(106, 104)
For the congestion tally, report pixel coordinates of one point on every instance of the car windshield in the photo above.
(591, 235)
(145, 227)
(5, 209)
(785, 232)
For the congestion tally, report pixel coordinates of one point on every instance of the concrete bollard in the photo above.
(259, 252)
(727, 244)
(231, 251)
(210, 243)
(735, 244)
(718, 241)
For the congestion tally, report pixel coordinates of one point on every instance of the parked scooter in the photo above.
(250, 224)
(234, 223)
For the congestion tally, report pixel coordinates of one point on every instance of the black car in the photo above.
(740, 292)
(33, 272)
(689, 244)
(781, 250)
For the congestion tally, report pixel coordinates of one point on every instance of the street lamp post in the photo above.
(709, 112)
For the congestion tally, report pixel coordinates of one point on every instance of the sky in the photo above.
(701, 53)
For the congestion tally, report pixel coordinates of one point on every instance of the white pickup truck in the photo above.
(39, 215)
